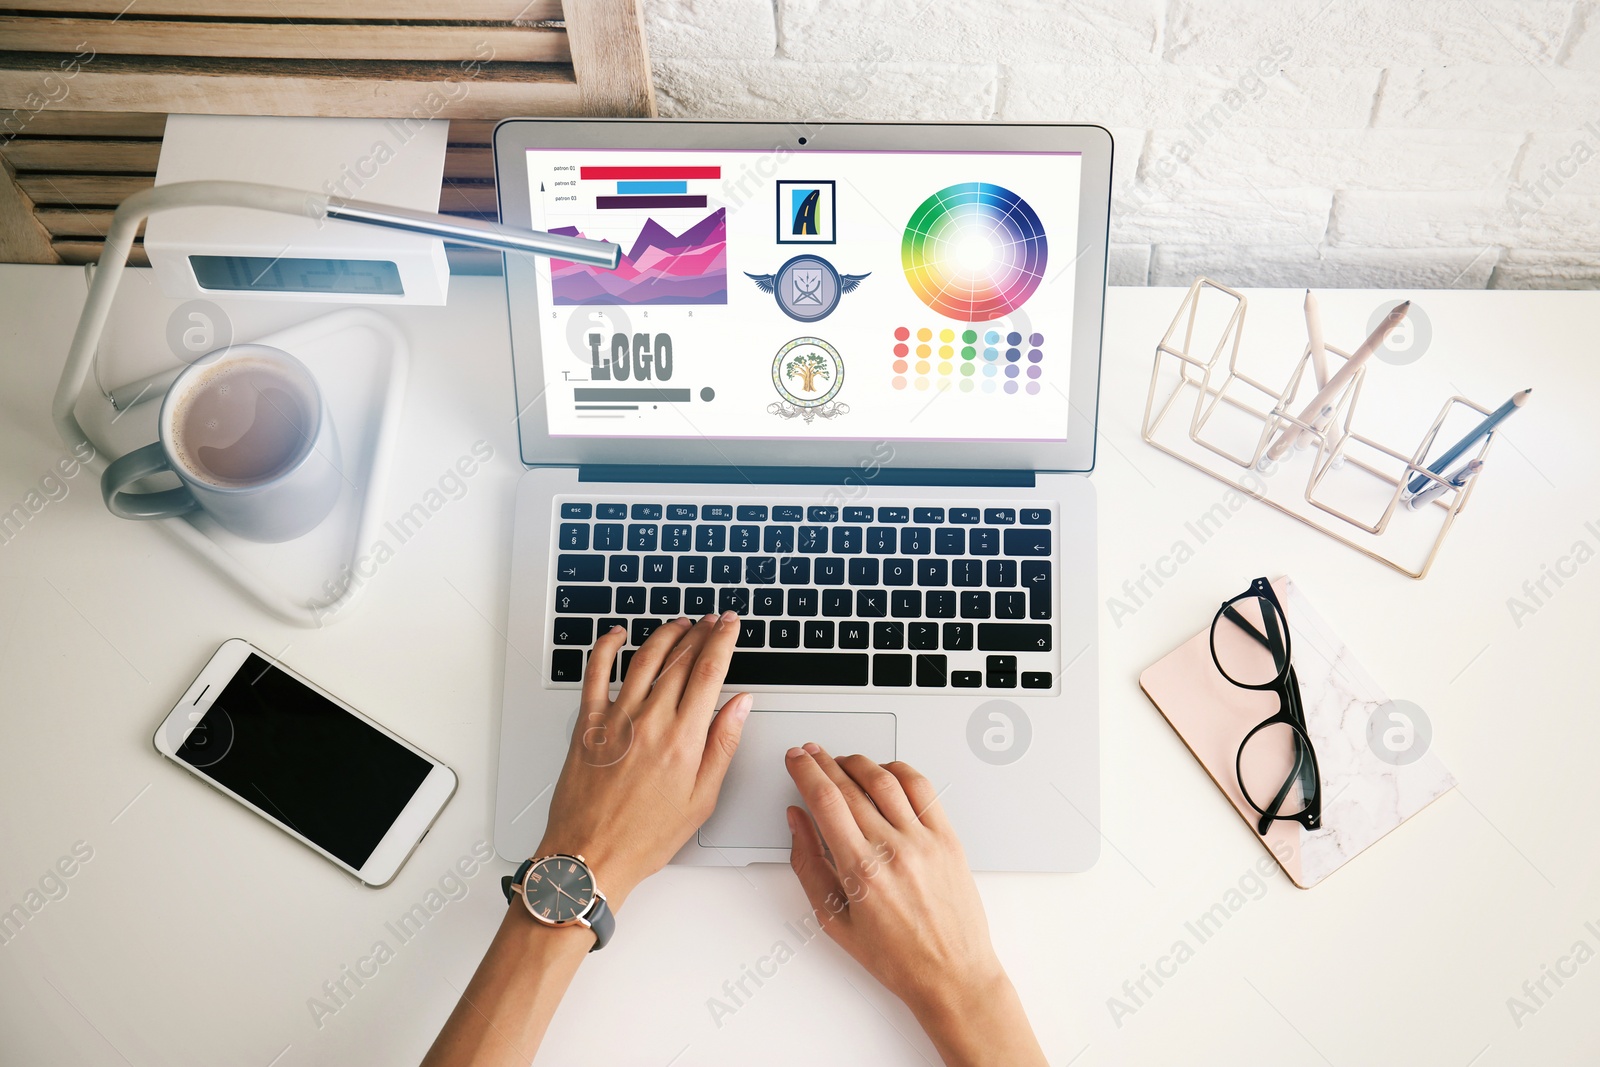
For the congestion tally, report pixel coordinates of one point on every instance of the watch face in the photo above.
(559, 889)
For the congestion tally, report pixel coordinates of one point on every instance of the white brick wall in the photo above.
(1435, 143)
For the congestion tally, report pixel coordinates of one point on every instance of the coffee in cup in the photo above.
(243, 422)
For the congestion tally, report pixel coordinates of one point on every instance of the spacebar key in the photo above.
(798, 668)
(1014, 637)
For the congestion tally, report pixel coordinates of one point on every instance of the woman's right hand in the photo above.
(887, 879)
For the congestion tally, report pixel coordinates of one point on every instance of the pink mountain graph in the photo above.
(660, 268)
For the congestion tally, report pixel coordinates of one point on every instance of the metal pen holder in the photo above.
(1222, 391)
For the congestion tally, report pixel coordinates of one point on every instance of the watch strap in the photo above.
(509, 880)
(602, 922)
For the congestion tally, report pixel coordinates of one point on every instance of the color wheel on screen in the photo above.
(974, 252)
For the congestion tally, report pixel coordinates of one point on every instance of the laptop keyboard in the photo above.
(835, 596)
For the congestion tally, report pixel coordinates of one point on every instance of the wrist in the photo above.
(970, 995)
(979, 1021)
(531, 934)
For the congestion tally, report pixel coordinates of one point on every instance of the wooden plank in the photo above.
(73, 222)
(53, 123)
(83, 156)
(22, 238)
(474, 162)
(467, 198)
(78, 223)
(497, 10)
(80, 195)
(355, 89)
(499, 42)
(609, 57)
(473, 131)
(71, 251)
(83, 190)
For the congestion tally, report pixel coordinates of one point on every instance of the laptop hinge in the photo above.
(853, 476)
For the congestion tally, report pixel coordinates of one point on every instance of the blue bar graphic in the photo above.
(624, 188)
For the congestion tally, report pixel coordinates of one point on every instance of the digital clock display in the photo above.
(262, 274)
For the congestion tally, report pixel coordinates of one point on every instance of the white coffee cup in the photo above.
(248, 434)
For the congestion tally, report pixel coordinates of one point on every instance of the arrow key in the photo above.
(567, 631)
(1015, 637)
(580, 568)
(588, 599)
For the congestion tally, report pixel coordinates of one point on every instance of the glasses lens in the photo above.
(1250, 641)
(1275, 770)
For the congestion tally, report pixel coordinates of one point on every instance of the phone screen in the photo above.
(303, 759)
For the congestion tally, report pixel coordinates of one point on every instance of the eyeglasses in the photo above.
(1276, 765)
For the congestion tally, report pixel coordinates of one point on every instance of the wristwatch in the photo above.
(560, 890)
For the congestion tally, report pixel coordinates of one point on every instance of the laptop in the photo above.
(844, 382)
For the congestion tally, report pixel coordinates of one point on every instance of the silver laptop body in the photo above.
(844, 382)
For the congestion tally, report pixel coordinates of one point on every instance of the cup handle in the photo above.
(140, 463)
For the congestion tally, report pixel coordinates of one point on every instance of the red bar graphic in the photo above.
(625, 173)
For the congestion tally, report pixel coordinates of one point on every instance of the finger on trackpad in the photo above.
(750, 811)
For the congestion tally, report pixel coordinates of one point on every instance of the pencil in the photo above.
(1319, 353)
(1474, 435)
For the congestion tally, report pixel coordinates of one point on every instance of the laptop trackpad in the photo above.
(750, 811)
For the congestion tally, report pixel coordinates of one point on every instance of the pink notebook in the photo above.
(1363, 796)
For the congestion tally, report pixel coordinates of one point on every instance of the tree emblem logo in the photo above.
(808, 373)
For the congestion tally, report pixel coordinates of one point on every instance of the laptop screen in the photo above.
(824, 294)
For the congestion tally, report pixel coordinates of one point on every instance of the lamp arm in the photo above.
(477, 232)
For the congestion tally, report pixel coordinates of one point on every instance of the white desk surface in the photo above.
(197, 935)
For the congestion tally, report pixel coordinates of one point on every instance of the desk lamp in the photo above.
(247, 195)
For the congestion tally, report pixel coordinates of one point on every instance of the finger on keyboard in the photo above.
(647, 663)
(707, 677)
(596, 680)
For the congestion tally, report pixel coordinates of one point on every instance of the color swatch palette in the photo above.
(973, 360)
(974, 252)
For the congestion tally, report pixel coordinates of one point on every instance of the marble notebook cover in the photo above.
(1364, 797)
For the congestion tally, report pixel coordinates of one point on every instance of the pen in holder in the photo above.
(1245, 432)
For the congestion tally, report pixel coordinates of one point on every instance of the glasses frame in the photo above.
(1291, 713)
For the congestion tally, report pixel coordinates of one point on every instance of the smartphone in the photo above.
(306, 761)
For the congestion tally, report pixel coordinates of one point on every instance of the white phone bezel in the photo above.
(403, 835)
